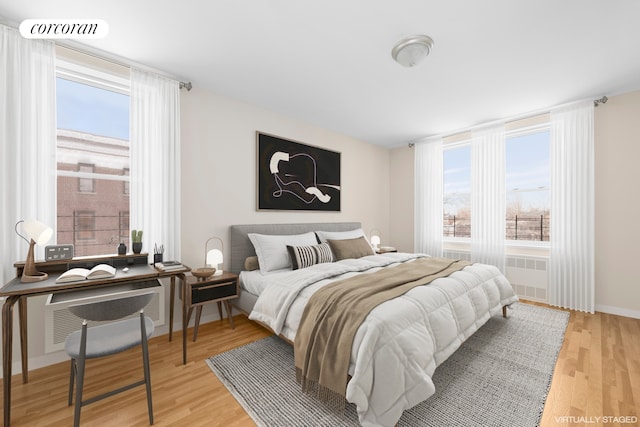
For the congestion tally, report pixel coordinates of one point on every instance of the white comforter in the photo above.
(402, 341)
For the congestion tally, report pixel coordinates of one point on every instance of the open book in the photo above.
(100, 271)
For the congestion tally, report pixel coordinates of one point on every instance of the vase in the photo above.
(122, 249)
(137, 247)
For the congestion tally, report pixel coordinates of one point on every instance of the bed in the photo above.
(401, 341)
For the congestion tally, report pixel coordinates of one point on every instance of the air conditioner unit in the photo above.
(60, 322)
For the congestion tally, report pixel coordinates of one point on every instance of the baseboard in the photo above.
(635, 314)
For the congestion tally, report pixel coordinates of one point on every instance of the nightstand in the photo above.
(219, 289)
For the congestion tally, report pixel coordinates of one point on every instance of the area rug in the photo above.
(499, 377)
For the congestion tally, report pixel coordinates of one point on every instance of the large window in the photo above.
(527, 186)
(92, 108)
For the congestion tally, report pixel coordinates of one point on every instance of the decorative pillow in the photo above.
(350, 248)
(339, 235)
(272, 249)
(251, 263)
(306, 256)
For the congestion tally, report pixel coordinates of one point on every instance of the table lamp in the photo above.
(375, 239)
(214, 257)
(38, 234)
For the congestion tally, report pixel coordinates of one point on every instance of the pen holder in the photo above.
(157, 258)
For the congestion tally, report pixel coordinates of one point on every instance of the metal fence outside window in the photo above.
(93, 234)
(520, 227)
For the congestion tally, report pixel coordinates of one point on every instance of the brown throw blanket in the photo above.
(323, 342)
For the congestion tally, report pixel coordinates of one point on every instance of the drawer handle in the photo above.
(217, 285)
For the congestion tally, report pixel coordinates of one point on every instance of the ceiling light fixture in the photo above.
(411, 50)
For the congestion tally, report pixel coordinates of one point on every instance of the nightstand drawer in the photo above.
(208, 292)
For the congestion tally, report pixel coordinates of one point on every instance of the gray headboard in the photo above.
(241, 246)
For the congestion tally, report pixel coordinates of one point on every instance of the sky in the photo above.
(527, 172)
(89, 109)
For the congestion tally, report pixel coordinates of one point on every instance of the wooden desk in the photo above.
(16, 291)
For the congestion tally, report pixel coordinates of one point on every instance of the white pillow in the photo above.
(340, 235)
(272, 249)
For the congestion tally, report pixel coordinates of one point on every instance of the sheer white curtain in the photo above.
(155, 161)
(428, 197)
(27, 141)
(571, 264)
(488, 196)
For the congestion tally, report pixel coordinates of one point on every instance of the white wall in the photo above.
(401, 199)
(617, 229)
(617, 153)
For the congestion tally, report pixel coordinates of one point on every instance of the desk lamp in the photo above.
(39, 234)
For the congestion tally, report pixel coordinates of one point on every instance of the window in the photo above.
(85, 185)
(123, 227)
(84, 226)
(527, 186)
(92, 109)
(125, 184)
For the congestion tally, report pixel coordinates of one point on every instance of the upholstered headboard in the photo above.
(241, 246)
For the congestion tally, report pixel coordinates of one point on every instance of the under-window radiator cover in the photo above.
(528, 274)
(60, 322)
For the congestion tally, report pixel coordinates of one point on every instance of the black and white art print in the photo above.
(295, 176)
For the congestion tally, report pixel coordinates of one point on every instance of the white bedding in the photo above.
(402, 341)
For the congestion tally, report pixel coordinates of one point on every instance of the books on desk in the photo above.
(169, 266)
(100, 271)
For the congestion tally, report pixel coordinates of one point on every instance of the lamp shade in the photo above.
(374, 238)
(37, 231)
(214, 257)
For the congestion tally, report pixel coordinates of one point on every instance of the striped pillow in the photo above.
(306, 256)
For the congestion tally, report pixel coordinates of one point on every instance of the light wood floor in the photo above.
(597, 374)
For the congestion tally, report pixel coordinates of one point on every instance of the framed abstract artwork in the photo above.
(296, 177)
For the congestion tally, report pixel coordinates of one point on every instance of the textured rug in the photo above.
(499, 377)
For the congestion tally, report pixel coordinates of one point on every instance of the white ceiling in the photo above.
(329, 62)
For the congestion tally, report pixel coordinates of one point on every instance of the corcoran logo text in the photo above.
(64, 28)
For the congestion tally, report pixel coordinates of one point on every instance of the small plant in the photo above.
(136, 236)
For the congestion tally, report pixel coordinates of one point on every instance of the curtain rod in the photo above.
(117, 60)
(523, 116)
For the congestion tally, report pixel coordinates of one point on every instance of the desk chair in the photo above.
(107, 339)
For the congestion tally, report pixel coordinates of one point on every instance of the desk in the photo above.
(16, 291)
